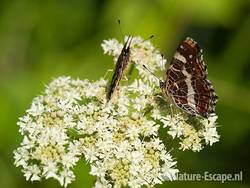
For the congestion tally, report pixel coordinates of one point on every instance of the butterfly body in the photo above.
(186, 81)
(121, 64)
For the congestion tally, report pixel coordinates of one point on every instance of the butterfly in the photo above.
(121, 64)
(186, 82)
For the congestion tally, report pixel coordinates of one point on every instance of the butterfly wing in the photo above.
(186, 81)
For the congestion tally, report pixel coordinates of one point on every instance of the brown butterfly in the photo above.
(121, 64)
(186, 81)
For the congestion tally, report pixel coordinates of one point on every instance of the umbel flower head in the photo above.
(72, 120)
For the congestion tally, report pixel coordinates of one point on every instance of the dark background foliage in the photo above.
(40, 40)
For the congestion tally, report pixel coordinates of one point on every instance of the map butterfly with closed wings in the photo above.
(121, 64)
(186, 81)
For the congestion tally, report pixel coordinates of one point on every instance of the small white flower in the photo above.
(211, 136)
(98, 170)
(66, 177)
(111, 47)
(32, 173)
(137, 156)
(36, 108)
(50, 170)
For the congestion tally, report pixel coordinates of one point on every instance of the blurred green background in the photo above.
(40, 40)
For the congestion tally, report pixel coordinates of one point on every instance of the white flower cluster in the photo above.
(119, 139)
(190, 137)
(47, 149)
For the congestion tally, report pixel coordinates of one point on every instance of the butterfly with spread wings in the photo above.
(186, 81)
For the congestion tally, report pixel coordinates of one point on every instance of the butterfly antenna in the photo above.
(150, 37)
(160, 81)
(120, 28)
(130, 38)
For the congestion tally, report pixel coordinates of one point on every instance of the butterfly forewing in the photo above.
(186, 81)
(121, 64)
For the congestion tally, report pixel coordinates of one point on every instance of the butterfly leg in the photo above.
(126, 79)
(107, 72)
(171, 110)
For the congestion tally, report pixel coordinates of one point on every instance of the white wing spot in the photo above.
(190, 98)
(174, 69)
(180, 57)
